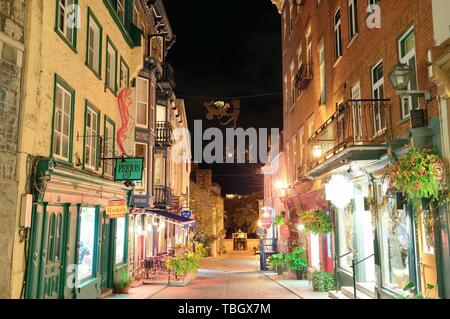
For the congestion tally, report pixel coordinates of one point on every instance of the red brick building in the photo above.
(342, 116)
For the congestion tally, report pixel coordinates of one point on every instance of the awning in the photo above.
(172, 216)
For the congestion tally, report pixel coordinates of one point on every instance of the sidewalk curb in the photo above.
(284, 286)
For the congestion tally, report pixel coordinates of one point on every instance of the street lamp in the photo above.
(317, 151)
(400, 77)
(280, 184)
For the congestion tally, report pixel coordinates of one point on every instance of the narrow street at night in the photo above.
(232, 277)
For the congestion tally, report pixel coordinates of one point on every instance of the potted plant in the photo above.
(123, 282)
(276, 263)
(316, 221)
(418, 295)
(298, 262)
(322, 281)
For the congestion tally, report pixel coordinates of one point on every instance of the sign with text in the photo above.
(186, 214)
(117, 209)
(129, 169)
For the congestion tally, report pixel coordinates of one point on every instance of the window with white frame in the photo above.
(301, 143)
(111, 67)
(62, 123)
(121, 10)
(337, 35)
(321, 49)
(91, 138)
(293, 88)
(407, 54)
(124, 74)
(141, 151)
(352, 18)
(300, 55)
(308, 50)
(142, 102)
(160, 170)
(357, 113)
(94, 45)
(378, 94)
(286, 95)
(108, 141)
(66, 22)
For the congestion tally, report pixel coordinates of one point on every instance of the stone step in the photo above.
(368, 288)
(337, 295)
(348, 291)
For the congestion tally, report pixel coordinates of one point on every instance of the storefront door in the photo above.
(427, 262)
(46, 276)
(364, 239)
(106, 260)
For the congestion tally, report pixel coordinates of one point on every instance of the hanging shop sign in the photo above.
(285, 232)
(266, 222)
(129, 169)
(117, 209)
(186, 214)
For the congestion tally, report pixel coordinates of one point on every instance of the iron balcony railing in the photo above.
(304, 76)
(163, 197)
(355, 123)
(167, 80)
(164, 133)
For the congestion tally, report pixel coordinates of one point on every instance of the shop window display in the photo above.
(346, 236)
(120, 240)
(87, 240)
(395, 244)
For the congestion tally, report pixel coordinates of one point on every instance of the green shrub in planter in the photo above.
(276, 263)
(297, 261)
(123, 282)
(322, 281)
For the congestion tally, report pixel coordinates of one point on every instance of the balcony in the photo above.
(358, 131)
(167, 80)
(162, 197)
(164, 134)
(304, 76)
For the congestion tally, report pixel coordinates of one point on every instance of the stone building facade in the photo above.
(12, 28)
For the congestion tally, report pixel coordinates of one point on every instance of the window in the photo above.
(141, 151)
(293, 88)
(87, 243)
(291, 16)
(337, 35)
(62, 121)
(142, 102)
(322, 73)
(91, 137)
(300, 55)
(124, 74)
(407, 53)
(120, 240)
(111, 67)
(94, 44)
(153, 107)
(352, 18)
(378, 94)
(161, 113)
(121, 10)
(308, 50)
(284, 28)
(301, 139)
(160, 167)
(357, 115)
(345, 232)
(286, 94)
(109, 145)
(66, 20)
(395, 240)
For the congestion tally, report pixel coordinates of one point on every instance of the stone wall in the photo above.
(12, 17)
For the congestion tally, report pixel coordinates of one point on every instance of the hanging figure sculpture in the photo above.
(124, 103)
(233, 116)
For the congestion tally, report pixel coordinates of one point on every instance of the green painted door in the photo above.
(106, 259)
(47, 265)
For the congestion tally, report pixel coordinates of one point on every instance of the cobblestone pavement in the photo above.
(234, 276)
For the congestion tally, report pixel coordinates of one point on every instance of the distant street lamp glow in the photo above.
(259, 223)
(339, 191)
(280, 184)
(300, 227)
(317, 151)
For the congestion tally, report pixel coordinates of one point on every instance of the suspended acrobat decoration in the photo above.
(221, 109)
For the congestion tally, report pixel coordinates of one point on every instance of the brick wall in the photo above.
(359, 56)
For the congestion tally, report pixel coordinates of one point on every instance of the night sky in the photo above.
(229, 48)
